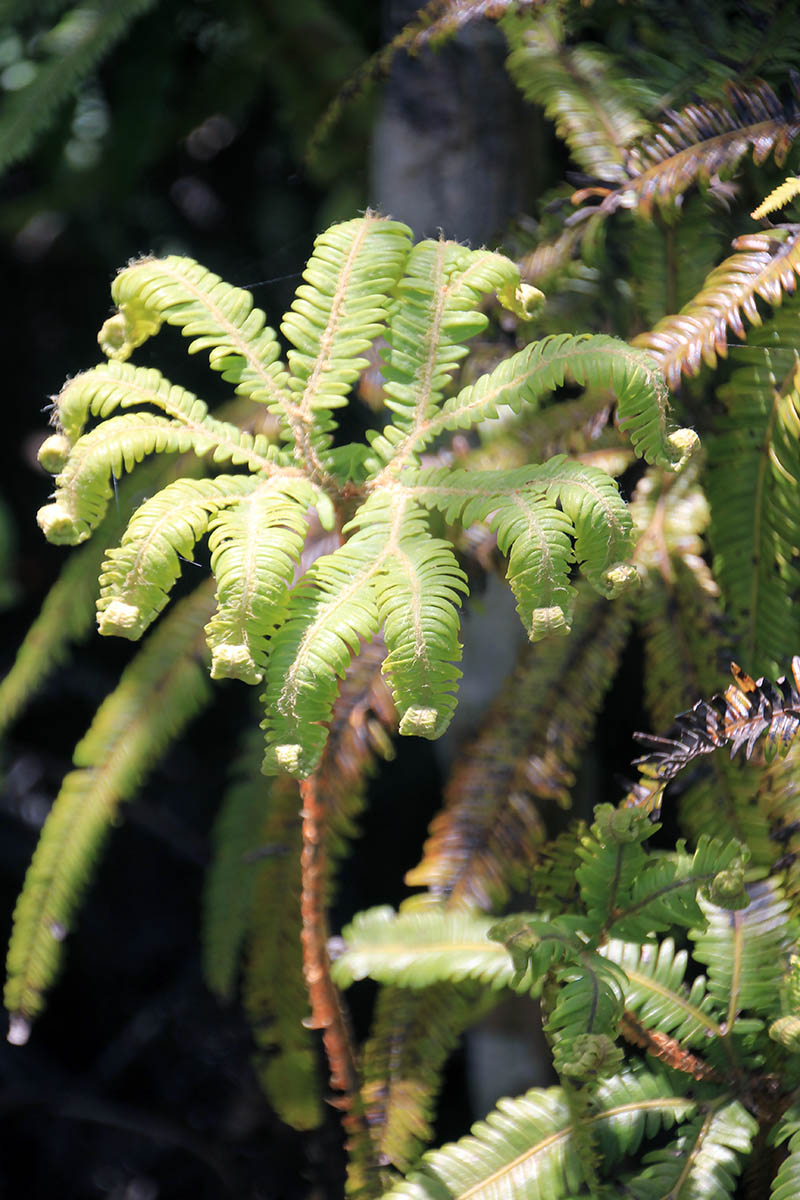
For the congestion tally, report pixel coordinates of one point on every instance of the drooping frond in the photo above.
(582, 89)
(230, 881)
(590, 360)
(765, 265)
(67, 614)
(522, 506)
(698, 142)
(159, 692)
(418, 949)
(490, 829)
(746, 955)
(777, 198)
(114, 385)
(529, 1147)
(274, 993)
(138, 575)
(66, 54)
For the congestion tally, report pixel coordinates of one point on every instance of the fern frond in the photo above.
(70, 51)
(582, 90)
(161, 690)
(66, 616)
(83, 489)
(526, 750)
(658, 993)
(746, 954)
(216, 316)
(434, 314)
(230, 881)
(754, 470)
(765, 265)
(138, 575)
(705, 1160)
(418, 593)
(274, 992)
(115, 385)
(418, 949)
(255, 548)
(591, 360)
(778, 197)
(529, 1146)
(337, 314)
(701, 140)
(786, 1184)
(521, 506)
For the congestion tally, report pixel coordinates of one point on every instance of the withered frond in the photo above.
(765, 265)
(747, 710)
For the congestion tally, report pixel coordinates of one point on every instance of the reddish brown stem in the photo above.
(327, 1011)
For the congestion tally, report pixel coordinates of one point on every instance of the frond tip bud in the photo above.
(234, 662)
(121, 620)
(418, 721)
(53, 453)
(58, 526)
(683, 443)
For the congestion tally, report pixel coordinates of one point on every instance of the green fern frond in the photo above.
(161, 690)
(115, 385)
(489, 832)
(754, 470)
(138, 575)
(670, 259)
(765, 265)
(434, 315)
(746, 954)
(337, 314)
(522, 506)
(66, 616)
(69, 51)
(418, 949)
(230, 881)
(786, 1184)
(591, 360)
(255, 549)
(528, 1146)
(582, 89)
(778, 197)
(274, 992)
(705, 1160)
(657, 991)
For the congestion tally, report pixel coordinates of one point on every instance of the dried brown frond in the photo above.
(693, 145)
(765, 265)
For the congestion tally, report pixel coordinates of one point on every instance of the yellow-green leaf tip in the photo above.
(54, 452)
(421, 722)
(121, 620)
(58, 526)
(684, 443)
(522, 299)
(619, 578)
(234, 662)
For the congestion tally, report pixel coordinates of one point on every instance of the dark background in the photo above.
(190, 138)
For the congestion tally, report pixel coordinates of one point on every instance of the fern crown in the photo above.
(296, 632)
